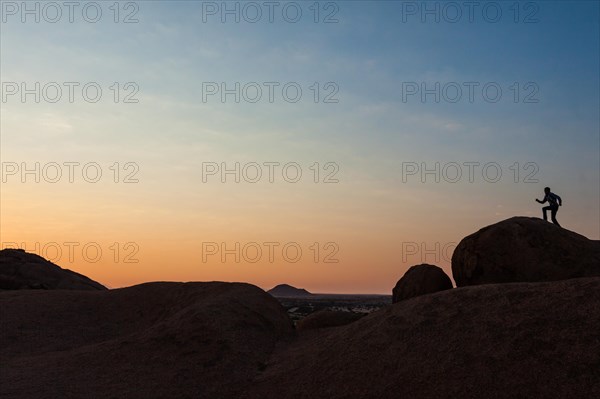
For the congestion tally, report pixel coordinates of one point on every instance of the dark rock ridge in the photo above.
(327, 318)
(23, 270)
(421, 280)
(523, 249)
(285, 290)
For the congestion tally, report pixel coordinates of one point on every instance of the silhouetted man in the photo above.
(554, 202)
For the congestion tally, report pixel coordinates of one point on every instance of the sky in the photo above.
(329, 145)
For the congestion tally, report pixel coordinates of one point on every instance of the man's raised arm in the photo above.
(542, 201)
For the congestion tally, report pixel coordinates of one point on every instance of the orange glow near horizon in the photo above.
(137, 249)
(363, 253)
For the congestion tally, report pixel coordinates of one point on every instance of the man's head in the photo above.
(546, 190)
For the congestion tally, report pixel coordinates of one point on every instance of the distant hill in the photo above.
(285, 290)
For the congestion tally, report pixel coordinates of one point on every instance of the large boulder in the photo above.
(523, 249)
(23, 270)
(421, 280)
(155, 340)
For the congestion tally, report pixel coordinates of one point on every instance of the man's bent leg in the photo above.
(553, 215)
(545, 209)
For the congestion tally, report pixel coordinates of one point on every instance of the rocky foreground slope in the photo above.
(226, 340)
(524, 340)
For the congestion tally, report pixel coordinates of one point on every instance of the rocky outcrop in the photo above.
(421, 280)
(23, 270)
(523, 249)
